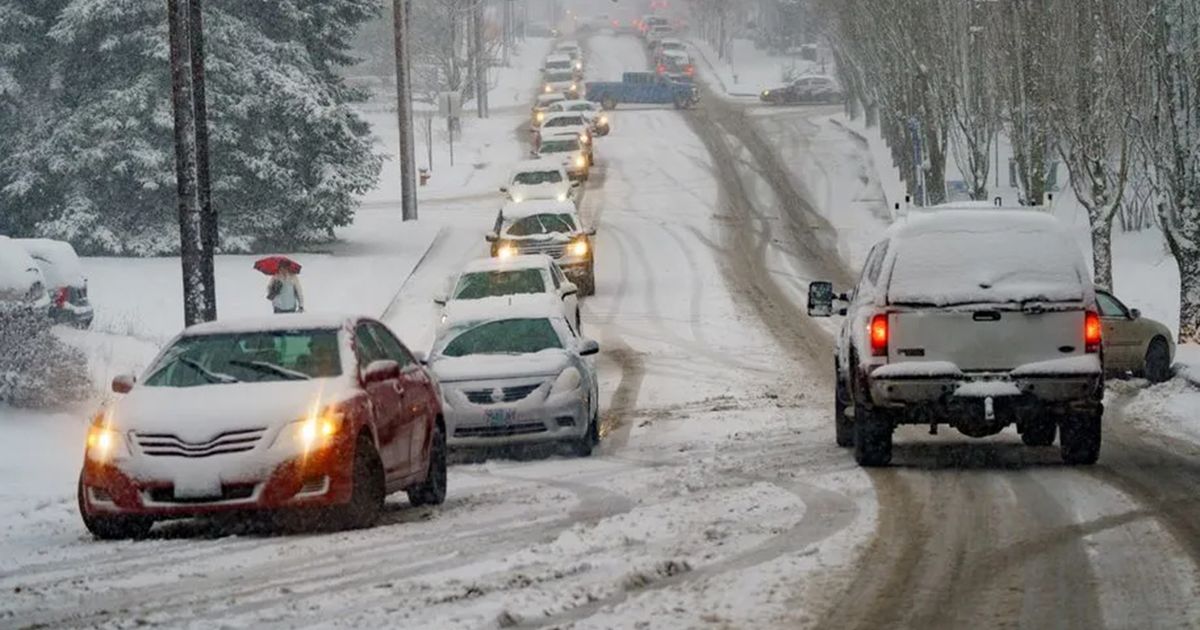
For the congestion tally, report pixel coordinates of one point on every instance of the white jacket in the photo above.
(290, 297)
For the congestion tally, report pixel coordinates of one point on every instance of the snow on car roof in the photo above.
(557, 58)
(676, 54)
(522, 306)
(530, 207)
(963, 256)
(18, 270)
(298, 321)
(541, 164)
(559, 115)
(670, 40)
(527, 261)
(552, 97)
(58, 261)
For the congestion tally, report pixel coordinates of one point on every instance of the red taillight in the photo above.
(1093, 332)
(690, 70)
(879, 335)
(60, 297)
(661, 68)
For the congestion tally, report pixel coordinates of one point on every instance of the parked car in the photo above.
(812, 89)
(540, 179)
(561, 62)
(550, 228)
(570, 150)
(643, 87)
(21, 283)
(668, 44)
(676, 66)
(600, 125)
(977, 319)
(574, 52)
(1133, 343)
(313, 415)
(490, 284)
(542, 105)
(521, 377)
(63, 274)
(563, 81)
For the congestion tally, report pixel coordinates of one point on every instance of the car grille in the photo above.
(168, 445)
(229, 492)
(509, 394)
(553, 250)
(526, 428)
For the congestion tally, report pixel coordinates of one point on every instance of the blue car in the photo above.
(643, 87)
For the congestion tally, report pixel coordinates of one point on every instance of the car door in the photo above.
(387, 404)
(1121, 335)
(419, 399)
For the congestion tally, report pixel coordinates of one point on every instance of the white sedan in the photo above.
(489, 285)
(540, 179)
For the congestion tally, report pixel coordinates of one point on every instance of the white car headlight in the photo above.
(568, 381)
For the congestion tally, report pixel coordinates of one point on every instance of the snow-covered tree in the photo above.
(1170, 138)
(288, 154)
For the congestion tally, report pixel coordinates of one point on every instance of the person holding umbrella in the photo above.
(283, 290)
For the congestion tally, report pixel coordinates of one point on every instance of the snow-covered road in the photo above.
(718, 498)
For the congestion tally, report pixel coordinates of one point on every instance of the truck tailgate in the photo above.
(985, 340)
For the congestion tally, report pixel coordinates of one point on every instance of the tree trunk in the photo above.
(1102, 249)
(1189, 299)
(209, 235)
(190, 237)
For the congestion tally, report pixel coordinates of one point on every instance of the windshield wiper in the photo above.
(271, 368)
(213, 377)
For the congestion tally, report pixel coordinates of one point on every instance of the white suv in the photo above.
(977, 319)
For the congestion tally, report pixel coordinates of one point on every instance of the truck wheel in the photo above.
(1079, 439)
(113, 527)
(433, 490)
(1158, 362)
(608, 103)
(843, 426)
(1039, 434)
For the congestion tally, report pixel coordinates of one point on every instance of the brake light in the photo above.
(879, 336)
(60, 297)
(661, 68)
(690, 70)
(1093, 333)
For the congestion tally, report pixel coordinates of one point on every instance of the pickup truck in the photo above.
(976, 319)
(643, 87)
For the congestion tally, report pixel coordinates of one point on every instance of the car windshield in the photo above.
(483, 284)
(563, 145)
(565, 121)
(510, 336)
(536, 178)
(251, 357)
(559, 77)
(559, 65)
(581, 107)
(542, 224)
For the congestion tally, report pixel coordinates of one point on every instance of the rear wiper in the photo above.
(213, 377)
(271, 368)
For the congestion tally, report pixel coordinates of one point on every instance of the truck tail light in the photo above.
(1093, 332)
(879, 335)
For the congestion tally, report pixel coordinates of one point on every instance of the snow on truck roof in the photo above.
(527, 261)
(962, 256)
(298, 321)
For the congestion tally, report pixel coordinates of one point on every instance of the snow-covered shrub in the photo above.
(36, 368)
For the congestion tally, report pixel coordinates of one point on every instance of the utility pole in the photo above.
(208, 215)
(481, 91)
(190, 238)
(408, 173)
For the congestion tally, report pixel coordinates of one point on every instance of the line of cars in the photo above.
(316, 419)
(44, 274)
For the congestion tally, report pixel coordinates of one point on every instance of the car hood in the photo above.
(482, 367)
(199, 414)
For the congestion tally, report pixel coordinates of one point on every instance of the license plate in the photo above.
(500, 417)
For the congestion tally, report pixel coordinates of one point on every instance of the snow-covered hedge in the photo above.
(36, 368)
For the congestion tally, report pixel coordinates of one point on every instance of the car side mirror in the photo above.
(490, 237)
(421, 357)
(591, 231)
(381, 371)
(820, 299)
(1135, 314)
(588, 347)
(504, 189)
(569, 289)
(576, 184)
(440, 300)
(123, 383)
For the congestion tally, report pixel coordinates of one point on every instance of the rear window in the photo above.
(483, 284)
(951, 267)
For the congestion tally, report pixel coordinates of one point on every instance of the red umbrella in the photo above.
(272, 264)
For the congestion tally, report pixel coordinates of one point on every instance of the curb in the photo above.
(412, 272)
(714, 74)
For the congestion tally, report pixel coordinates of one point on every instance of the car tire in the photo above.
(433, 490)
(584, 445)
(872, 433)
(1080, 437)
(1158, 361)
(608, 103)
(112, 527)
(843, 426)
(367, 492)
(1039, 433)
